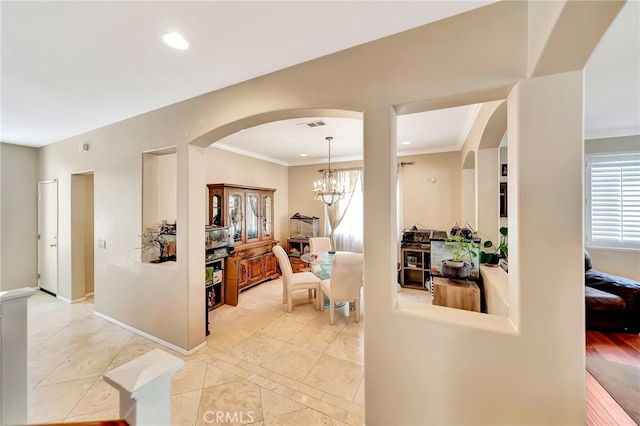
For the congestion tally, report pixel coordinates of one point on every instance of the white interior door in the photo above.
(48, 235)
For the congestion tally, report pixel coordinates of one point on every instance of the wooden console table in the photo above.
(455, 293)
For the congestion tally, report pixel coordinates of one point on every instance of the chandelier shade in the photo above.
(328, 189)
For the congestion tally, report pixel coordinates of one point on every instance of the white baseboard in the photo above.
(64, 299)
(88, 294)
(150, 337)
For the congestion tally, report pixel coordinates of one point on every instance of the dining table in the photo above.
(324, 261)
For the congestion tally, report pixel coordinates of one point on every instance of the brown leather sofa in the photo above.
(612, 302)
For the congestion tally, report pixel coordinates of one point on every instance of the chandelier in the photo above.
(328, 189)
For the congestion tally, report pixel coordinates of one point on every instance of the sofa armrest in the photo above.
(627, 289)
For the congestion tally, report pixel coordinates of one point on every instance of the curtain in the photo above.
(345, 216)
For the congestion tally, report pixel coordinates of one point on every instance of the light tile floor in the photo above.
(261, 364)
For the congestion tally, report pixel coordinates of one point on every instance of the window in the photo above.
(613, 201)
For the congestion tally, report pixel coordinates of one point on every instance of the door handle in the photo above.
(53, 245)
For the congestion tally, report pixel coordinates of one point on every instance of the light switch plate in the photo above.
(102, 244)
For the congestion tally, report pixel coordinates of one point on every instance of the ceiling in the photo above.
(71, 67)
(302, 141)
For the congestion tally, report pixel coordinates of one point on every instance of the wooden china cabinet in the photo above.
(248, 213)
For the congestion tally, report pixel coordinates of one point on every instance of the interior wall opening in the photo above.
(449, 187)
(159, 206)
(298, 146)
(265, 166)
(82, 235)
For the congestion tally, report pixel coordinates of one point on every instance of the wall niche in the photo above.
(159, 205)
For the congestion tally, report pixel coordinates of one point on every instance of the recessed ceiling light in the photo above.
(176, 41)
(406, 143)
(303, 155)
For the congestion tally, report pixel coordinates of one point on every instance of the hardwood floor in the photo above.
(624, 348)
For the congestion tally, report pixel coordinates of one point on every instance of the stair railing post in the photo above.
(145, 388)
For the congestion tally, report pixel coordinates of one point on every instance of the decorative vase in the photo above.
(454, 271)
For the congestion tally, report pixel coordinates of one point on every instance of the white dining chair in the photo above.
(345, 282)
(320, 246)
(295, 281)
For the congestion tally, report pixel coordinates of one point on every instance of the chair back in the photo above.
(285, 265)
(320, 245)
(346, 275)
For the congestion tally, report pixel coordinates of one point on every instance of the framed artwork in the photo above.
(503, 199)
(504, 170)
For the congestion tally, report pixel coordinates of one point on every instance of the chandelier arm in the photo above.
(327, 189)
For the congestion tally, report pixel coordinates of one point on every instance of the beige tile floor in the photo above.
(261, 364)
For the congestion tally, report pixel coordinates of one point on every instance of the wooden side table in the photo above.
(456, 293)
(298, 265)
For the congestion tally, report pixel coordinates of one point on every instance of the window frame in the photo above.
(590, 159)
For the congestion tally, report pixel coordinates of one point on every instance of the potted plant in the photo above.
(462, 250)
(493, 253)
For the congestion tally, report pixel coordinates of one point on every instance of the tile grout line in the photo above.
(261, 381)
(82, 396)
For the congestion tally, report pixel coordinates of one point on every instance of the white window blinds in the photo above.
(613, 201)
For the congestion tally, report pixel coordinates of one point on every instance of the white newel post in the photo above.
(13, 356)
(145, 388)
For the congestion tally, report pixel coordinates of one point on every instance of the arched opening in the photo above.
(249, 156)
(491, 175)
(285, 150)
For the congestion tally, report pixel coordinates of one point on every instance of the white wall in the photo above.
(427, 204)
(125, 289)
(167, 187)
(150, 188)
(622, 263)
(89, 241)
(468, 198)
(456, 343)
(462, 60)
(18, 216)
(159, 188)
(542, 17)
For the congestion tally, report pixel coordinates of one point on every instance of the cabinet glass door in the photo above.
(252, 216)
(216, 210)
(267, 216)
(234, 211)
